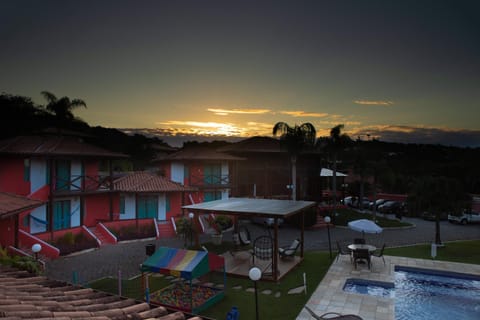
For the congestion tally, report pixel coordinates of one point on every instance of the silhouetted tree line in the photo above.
(21, 116)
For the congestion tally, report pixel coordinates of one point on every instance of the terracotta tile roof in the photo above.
(26, 296)
(144, 181)
(11, 204)
(49, 145)
(199, 153)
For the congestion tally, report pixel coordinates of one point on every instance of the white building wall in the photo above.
(75, 209)
(224, 172)
(162, 207)
(177, 172)
(130, 207)
(38, 174)
(40, 223)
(75, 172)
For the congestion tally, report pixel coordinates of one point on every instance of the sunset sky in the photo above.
(403, 70)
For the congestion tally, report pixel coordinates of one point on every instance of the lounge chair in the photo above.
(289, 251)
(244, 236)
(380, 254)
(333, 315)
(361, 255)
(342, 252)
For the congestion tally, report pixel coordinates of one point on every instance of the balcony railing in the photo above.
(210, 181)
(83, 184)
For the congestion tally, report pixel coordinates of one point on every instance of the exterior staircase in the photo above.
(165, 230)
(103, 240)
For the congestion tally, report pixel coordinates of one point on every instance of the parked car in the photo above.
(348, 201)
(363, 203)
(268, 222)
(465, 217)
(377, 203)
(391, 207)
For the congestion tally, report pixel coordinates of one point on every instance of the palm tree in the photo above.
(336, 142)
(62, 108)
(295, 140)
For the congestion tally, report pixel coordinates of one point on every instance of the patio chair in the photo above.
(263, 250)
(289, 251)
(361, 255)
(358, 241)
(244, 236)
(333, 315)
(380, 254)
(342, 252)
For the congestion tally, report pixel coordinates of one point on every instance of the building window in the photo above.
(212, 195)
(26, 221)
(61, 215)
(122, 204)
(26, 170)
(62, 175)
(147, 207)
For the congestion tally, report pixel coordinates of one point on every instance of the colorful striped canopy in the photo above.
(187, 264)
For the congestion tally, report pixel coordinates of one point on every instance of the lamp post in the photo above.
(327, 220)
(36, 248)
(255, 274)
(191, 215)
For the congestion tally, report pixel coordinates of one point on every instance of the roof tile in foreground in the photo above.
(26, 296)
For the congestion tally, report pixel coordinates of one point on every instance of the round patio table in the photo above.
(354, 247)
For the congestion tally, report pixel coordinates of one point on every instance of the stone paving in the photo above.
(330, 297)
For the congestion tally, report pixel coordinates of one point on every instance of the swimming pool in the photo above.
(433, 295)
(426, 294)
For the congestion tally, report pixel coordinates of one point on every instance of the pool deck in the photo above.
(330, 297)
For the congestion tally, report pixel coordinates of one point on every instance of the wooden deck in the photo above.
(240, 262)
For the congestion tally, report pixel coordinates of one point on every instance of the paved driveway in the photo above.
(127, 257)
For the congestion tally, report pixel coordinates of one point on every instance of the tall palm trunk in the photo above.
(334, 182)
(294, 178)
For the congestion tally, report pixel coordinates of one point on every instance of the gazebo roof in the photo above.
(252, 207)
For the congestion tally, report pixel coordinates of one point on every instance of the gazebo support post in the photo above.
(275, 250)
(302, 235)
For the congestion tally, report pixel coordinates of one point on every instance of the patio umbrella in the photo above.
(364, 226)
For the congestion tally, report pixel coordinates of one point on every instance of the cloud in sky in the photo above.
(374, 102)
(300, 113)
(224, 112)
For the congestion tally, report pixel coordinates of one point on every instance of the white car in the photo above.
(465, 217)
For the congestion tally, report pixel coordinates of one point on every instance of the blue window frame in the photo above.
(61, 215)
(147, 207)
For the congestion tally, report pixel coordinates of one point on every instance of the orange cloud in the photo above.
(297, 114)
(374, 102)
(225, 112)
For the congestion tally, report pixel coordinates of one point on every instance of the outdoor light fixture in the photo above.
(327, 220)
(255, 274)
(191, 215)
(36, 248)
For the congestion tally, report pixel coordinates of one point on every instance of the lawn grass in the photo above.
(315, 266)
(346, 214)
(458, 251)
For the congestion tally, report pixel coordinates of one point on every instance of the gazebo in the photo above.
(251, 207)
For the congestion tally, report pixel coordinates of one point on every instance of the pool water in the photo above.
(433, 295)
(426, 294)
(372, 288)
